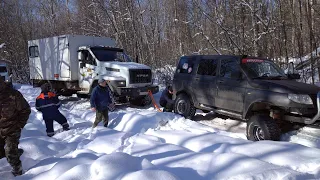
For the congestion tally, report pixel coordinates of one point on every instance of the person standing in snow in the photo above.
(101, 101)
(48, 104)
(166, 99)
(14, 114)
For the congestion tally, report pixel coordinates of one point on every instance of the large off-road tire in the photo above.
(262, 127)
(184, 106)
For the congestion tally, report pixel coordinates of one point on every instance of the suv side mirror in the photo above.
(291, 68)
(293, 76)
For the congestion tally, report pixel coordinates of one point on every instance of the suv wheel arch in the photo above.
(259, 106)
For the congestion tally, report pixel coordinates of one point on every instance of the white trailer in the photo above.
(74, 63)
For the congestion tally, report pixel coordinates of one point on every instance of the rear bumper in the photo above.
(306, 120)
(137, 91)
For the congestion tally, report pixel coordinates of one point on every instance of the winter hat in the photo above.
(45, 87)
(101, 80)
(170, 88)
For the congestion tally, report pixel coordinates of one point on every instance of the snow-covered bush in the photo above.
(164, 75)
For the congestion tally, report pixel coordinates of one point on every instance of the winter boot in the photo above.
(17, 171)
(50, 134)
(65, 127)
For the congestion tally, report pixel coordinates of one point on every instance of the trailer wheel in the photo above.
(262, 127)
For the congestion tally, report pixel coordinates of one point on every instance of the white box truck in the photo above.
(74, 63)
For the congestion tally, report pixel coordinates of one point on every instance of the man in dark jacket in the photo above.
(14, 114)
(100, 103)
(166, 99)
(48, 103)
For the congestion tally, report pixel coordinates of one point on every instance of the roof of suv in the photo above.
(225, 56)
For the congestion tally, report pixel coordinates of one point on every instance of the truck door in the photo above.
(205, 81)
(231, 86)
(87, 70)
(63, 57)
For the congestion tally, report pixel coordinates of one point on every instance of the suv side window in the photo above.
(228, 67)
(207, 67)
(185, 65)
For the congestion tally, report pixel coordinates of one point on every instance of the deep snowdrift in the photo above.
(146, 144)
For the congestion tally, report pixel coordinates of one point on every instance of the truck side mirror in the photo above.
(80, 56)
(82, 64)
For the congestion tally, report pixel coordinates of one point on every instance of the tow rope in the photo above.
(153, 101)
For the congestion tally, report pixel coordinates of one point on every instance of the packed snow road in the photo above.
(145, 144)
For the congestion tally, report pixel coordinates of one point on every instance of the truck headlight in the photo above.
(121, 83)
(300, 98)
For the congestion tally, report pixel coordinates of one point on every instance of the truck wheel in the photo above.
(184, 106)
(82, 95)
(262, 127)
(205, 111)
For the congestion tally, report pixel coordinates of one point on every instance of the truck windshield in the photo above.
(105, 55)
(3, 69)
(258, 68)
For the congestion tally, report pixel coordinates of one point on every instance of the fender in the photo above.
(259, 104)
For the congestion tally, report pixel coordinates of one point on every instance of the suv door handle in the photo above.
(196, 78)
(220, 81)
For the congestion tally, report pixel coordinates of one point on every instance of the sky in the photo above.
(141, 143)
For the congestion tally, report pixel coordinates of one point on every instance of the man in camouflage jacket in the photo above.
(14, 114)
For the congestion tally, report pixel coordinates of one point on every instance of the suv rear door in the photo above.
(204, 82)
(182, 77)
(231, 85)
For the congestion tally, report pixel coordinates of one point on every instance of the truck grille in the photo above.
(140, 76)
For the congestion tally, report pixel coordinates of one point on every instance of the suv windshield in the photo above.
(258, 68)
(3, 69)
(110, 55)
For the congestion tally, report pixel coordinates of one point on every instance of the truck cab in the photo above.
(128, 80)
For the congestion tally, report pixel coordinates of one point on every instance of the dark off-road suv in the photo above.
(248, 88)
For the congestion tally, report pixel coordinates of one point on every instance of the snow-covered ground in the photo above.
(146, 144)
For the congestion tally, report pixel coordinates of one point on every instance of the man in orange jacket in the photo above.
(48, 103)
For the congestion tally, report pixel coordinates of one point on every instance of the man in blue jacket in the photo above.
(166, 99)
(48, 103)
(100, 103)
